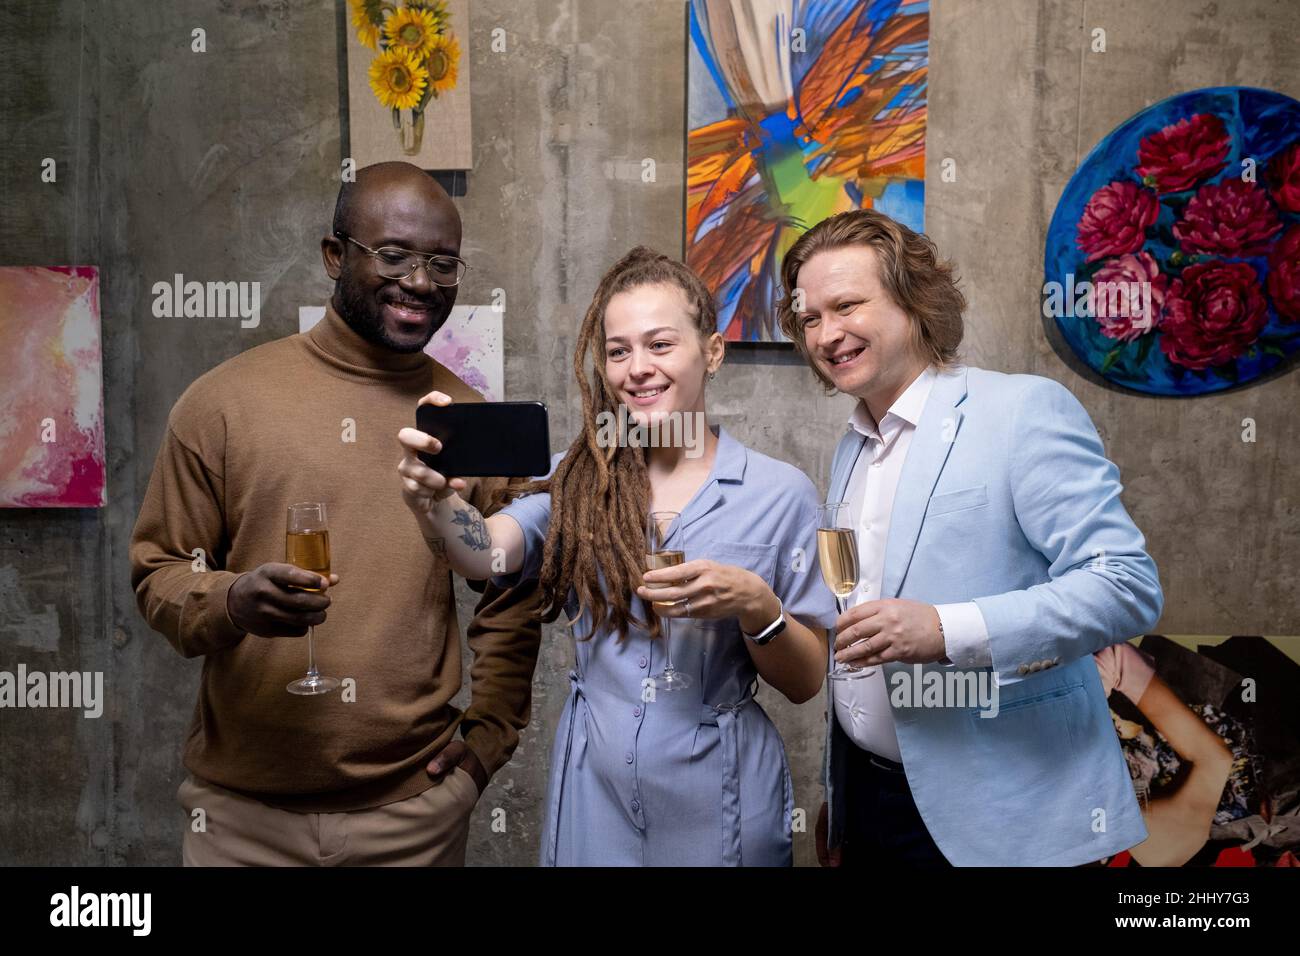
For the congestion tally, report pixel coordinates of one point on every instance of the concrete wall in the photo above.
(1018, 100)
(224, 166)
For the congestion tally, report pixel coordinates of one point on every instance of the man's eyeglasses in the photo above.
(394, 262)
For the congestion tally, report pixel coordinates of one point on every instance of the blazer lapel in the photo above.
(842, 464)
(926, 455)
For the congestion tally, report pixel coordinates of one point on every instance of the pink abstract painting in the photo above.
(51, 388)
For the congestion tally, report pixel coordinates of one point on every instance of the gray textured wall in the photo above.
(224, 165)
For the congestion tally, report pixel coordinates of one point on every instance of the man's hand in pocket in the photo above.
(457, 754)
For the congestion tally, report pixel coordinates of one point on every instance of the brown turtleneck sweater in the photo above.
(263, 430)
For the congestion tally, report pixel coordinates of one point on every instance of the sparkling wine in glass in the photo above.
(663, 559)
(837, 553)
(661, 554)
(307, 545)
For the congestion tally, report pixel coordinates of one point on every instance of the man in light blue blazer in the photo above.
(995, 557)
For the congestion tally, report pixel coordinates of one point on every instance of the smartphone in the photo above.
(487, 439)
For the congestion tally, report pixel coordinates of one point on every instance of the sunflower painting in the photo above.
(797, 110)
(405, 63)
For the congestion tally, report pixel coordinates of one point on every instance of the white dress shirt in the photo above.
(862, 705)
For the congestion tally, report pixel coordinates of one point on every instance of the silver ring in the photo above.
(688, 607)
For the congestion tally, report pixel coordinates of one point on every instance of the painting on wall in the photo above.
(409, 82)
(469, 344)
(1209, 735)
(51, 388)
(797, 110)
(1173, 258)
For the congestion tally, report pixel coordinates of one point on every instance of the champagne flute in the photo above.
(837, 553)
(659, 554)
(307, 545)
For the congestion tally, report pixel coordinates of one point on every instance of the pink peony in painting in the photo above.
(1177, 245)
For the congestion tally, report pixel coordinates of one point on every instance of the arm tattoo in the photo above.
(475, 534)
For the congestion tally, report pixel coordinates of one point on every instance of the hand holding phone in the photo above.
(422, 486)
(495, 439)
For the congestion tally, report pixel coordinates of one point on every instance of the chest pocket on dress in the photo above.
(759, 558)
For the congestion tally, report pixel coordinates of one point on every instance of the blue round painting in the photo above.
(1173, 258)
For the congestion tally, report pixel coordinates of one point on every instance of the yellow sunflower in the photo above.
(442, 62)
(411, 30)
(441, 16)
(398, 79)
(366, 16)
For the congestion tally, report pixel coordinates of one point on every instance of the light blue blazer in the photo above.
(1007, 498)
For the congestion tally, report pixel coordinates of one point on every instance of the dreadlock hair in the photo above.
(600, 497)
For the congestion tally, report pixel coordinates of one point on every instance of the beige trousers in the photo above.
(429, 829)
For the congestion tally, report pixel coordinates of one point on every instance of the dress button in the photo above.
(636, 806)
(636, 711)
(628, 756)
(642, 662)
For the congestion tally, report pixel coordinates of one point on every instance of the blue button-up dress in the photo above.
(696, 777)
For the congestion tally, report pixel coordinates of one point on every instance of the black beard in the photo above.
(363, 315)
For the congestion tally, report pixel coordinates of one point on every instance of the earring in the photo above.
(712, 376)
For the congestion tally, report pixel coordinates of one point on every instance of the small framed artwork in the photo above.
(51, 388)
(408, 82)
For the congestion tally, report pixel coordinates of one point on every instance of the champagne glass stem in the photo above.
(839, 609)
(311, 653)
(666, 623)
(838, 670)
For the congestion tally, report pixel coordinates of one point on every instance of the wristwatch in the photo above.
(766, 635)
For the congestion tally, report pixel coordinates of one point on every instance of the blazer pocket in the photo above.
(963, 500)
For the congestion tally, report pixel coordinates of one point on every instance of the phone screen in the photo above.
(507, 439)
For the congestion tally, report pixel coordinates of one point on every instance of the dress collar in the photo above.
(729, 462)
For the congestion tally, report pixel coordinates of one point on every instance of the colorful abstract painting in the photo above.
(51, 388)
(469, 343)
(1173, 258)
(797, 110)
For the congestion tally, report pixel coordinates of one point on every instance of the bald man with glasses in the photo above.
(384, 770)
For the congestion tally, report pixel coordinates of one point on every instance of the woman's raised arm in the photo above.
(476, 548)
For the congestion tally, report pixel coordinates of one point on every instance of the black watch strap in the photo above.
(767, 634)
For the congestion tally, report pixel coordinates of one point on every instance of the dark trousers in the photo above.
(882, 824)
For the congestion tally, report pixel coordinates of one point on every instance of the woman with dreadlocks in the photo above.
(698, 776)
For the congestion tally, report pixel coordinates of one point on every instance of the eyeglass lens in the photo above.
(395, 263)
